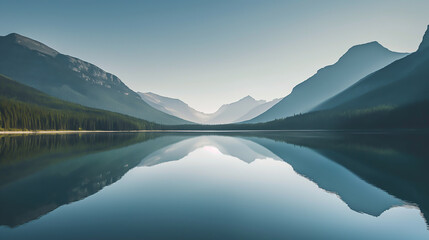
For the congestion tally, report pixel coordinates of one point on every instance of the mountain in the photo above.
(355, 64)
(71, 79)
(23, 107)
(174, 107)
(258, 110)
(241, 110)
(230, 113)
(404, 82)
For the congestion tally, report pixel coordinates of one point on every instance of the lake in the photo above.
(215, 185)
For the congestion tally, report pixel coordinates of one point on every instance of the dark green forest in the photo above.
(23, 107)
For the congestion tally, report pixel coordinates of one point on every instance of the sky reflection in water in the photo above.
(229, 187)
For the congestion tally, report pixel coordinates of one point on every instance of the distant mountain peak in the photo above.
(359, 61)
(248, 97)
(32, 44)
(372, 43)
(425, 42)
(238, 111)
(368, 49)
(366, 46)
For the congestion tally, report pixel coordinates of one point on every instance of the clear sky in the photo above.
(212, 52)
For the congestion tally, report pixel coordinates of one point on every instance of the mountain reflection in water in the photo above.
(223, 185)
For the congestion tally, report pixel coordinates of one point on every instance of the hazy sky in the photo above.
(212, 52)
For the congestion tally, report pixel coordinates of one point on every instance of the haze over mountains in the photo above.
(37, 65)
(236, 111)
(393, 97)
(403, 82)
(355, 64)
(241, 110)
(367, 87)
(173, 107)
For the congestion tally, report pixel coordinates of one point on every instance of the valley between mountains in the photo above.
(369, 87)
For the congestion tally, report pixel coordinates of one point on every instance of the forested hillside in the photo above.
(23, 107)
(34, 64)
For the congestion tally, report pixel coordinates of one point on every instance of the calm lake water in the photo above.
(242, 185)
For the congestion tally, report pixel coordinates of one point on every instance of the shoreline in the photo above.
(358, 131)
(129, 131)
(57, 131)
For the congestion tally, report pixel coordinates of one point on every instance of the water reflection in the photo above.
(39, 173)
(331, 176)
(238, 185)
(242, 149)
(395, 162)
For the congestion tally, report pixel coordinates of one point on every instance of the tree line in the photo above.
(20, 115)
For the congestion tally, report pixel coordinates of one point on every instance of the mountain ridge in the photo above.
(71, 79)
(244, 108)
(331, 80)
(425, 40)
(31, 44)
(401, 82)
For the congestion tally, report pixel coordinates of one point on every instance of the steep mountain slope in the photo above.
(241, 110)
(403, 82)
(355, 64)
(23, 107)
(37, 65)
